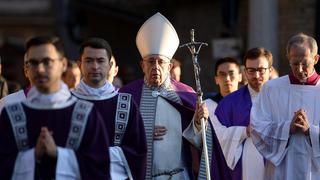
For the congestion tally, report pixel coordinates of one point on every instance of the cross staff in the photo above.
(192, 46)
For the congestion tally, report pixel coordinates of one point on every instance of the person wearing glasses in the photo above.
(51, 135)
(285, 118)
(167, 107)
(227, 76)
(233, 112)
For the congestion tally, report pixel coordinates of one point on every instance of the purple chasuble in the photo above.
(234, 110)
(218, 165)
(134, 140)
(92, 157)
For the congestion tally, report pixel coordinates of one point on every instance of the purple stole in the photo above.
(133, 141)
(234, 110)
(218, 166)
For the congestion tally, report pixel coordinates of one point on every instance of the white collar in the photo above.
(253, 93)
(59, 99)
(84, 91)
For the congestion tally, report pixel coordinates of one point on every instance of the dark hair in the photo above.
(40, 40)
(226, 60)
(97, 43)
(256, 52)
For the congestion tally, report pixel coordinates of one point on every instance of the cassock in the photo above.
(124, 126)
(232, 116)
(289, 156)
(77, 129)
(216, 97)
(172, 105)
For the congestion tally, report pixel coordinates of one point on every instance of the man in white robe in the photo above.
(233, 112)
(285, 118)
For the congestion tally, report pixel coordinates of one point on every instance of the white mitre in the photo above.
(157, 36)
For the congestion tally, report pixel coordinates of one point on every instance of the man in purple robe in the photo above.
(233, 112)
(168, 107)
(51, 135)
(120, 114)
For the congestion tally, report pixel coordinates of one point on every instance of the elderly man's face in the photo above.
(156, 69)
(302, 62)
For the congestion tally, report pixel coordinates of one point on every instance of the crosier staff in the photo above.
(194, 52)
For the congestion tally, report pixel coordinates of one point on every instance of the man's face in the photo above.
(227, 78)
(302, 62)
(94, 65)
(156, 69)
(113, 70)
(257, 72)
(176, 73)
(72, 77)
(44, 67)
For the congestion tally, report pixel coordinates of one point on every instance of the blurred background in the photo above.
(230, 27)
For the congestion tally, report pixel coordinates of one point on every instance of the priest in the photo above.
(51, 135)
(120, 113)
(285, 122)
(167, 107)
(233, 112)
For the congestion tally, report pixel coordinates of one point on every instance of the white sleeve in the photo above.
(119, 167)
(24, 165)
(270, 136)
(314, 137)
(192, 134)
(230, 139)
(67, 164)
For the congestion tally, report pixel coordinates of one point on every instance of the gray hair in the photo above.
(301, 39)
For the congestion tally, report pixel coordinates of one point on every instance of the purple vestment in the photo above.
(92, 157)
(234, 110)
(134, 141)
(189, 99)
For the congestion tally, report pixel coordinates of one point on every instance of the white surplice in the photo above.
(235, 143)
(289, 157)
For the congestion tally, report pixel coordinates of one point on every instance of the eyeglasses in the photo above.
(33, 63)
(231, 74)
(254, 70)
(155, 61)
(304, 65)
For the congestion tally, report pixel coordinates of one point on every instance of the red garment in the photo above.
(312, 80)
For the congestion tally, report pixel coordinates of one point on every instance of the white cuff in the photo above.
(192, 135)
(25, 165)
(119, 167)
(314, 137)
(67, 165)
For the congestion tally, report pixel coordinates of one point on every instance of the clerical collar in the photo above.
(84, 91)
(253, 93)
(162, 90)
(312, 80)
(59, 99)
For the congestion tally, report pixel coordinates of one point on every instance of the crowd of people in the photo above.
(76, 121)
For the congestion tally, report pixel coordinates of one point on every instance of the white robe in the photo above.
(167, 153)
(235, 143)
(289, 157)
